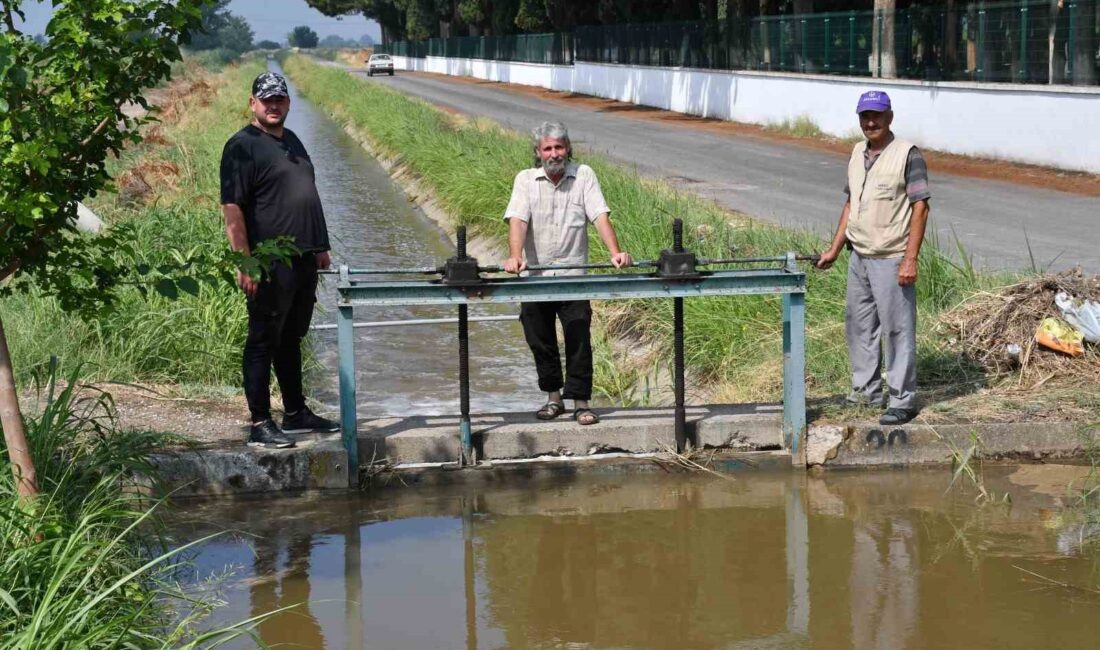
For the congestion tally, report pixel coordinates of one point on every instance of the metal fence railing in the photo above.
(1021, 41)
(554, 48)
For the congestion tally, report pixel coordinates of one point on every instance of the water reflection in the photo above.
(281, 568)
(883, 583)
(857, 561)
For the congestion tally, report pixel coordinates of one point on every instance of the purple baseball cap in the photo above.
(873, 100)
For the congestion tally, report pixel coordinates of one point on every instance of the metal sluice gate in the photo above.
(676, 274)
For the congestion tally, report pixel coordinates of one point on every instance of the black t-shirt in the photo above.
(272, 180)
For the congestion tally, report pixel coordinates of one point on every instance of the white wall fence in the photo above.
(1056, 126)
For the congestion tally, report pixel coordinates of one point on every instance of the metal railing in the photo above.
(552, 48)
(678, 275)
(1021, 41)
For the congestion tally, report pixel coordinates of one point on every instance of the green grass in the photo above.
(802, 126)
(84, 565)
(192, 340)
(469, 167)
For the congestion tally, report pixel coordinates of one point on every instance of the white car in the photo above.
(378, 63)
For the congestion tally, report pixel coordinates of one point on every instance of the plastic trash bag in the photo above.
(1056, 334)
(1085, 318)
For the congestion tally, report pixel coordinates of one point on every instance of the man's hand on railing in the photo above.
(515, 265)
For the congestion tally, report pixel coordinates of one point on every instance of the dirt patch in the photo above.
(940, 162)
(154, 135)
(161, 409)
(354, 58)
(190, 92)
(143, 182)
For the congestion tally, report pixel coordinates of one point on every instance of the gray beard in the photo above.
(555, 168)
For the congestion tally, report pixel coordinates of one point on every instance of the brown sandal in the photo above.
(589, 416)
(550, 410)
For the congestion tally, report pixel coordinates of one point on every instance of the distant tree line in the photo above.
(420, 19)
(417, 20)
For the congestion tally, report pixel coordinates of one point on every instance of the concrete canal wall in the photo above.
(1043, 125)
(734, 438)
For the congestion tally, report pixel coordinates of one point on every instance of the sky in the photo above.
(270, 19)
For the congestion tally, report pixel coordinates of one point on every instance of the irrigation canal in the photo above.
(881, 559)
(372, 224)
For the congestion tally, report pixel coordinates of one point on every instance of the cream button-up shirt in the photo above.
(557, 216)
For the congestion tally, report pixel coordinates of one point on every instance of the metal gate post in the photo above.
(464, 387)
(680, 427)
(345, 344)
(678, 364)
(794, 374)
(465, 434)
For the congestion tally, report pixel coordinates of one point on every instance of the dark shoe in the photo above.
(306, 421)
(550, 410)
(897, 416)
(267, 434)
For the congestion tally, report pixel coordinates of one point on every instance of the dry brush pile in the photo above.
(989, 322)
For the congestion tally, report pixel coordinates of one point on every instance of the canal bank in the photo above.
(514, 447)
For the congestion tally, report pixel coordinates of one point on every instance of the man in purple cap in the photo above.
(882, 223)
(268, 191)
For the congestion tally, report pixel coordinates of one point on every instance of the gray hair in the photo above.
(554, 130)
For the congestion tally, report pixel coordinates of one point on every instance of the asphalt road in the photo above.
(792, 185)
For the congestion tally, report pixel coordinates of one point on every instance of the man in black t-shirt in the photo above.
(268, 191)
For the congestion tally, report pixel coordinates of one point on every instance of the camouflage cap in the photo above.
(269, 84)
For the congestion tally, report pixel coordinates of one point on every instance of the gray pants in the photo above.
(881, 314)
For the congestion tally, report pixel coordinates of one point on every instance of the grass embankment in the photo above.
(168, 190)
(469, 166)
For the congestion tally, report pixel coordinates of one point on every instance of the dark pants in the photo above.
(278, 319)
(538, 328)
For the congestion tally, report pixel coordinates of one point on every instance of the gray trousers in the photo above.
(881, 315)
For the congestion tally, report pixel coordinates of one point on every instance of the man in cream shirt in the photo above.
(548, 215)
(883, 224)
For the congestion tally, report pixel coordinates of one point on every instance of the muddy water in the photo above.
(372, 224)
(874, 560)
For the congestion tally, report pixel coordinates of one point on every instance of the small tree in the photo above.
(268, 45)
(221, 29)
(61, 103)
(302, 37)
(207, 35)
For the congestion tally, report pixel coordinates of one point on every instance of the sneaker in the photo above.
(897, 416)
(267, 434)
(306, 421)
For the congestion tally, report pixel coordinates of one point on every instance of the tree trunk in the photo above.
(801, 7)
(1056, 60)
(883, 61)
(1084, 43)
(765, 39)
(11, 419)
(710, 10)
(1011, 27)
(951, 41)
